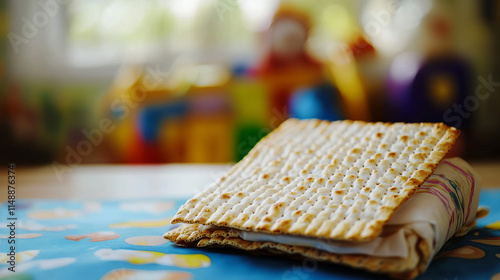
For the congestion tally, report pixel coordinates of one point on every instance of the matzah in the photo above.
(338, 180)
(444, 206)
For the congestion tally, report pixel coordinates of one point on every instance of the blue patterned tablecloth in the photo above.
(115, 240)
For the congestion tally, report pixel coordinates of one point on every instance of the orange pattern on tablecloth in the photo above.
(94, 236)
(465, 252)
(495, 241)
(146, 240)
(128, 274)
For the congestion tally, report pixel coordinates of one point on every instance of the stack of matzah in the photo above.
(335, 182)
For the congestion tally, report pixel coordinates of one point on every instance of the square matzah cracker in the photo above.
(338, 180)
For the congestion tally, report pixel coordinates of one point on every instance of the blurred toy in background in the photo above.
(357, 77)
(153, 122)
(288, 82)
(429, 88)
(286, 66)
(392, 27)
(118, 104)
(344, 71)
(348, 46)
(423, 88)
(320, 102)
(209, 122)
(249, 99)
(180, 119)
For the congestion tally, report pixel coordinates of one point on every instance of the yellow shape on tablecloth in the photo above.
(495, 241)
(495, 225)
(146, 257)
(22, 256)
(143, 259)
(465, 252)
(191, 261)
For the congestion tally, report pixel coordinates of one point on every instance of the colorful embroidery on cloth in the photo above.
(451, 193)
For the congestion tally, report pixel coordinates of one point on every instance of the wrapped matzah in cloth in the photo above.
(368, 195)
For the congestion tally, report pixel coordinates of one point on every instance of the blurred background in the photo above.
(122, 81)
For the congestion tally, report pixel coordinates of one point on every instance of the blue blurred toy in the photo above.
(321, 102)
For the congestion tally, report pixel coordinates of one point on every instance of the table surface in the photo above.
(142, 181)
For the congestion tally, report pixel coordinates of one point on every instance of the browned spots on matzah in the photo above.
(306, 177)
